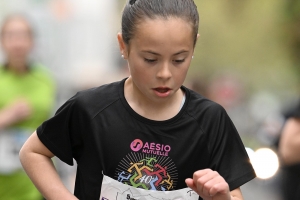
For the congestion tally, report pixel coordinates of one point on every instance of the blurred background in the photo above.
(247, 59)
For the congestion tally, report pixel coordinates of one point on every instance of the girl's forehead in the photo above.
(161, 33)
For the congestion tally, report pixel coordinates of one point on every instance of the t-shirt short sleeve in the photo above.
(61, 134)
(228, 154)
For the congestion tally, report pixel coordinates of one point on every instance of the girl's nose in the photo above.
(164, 71)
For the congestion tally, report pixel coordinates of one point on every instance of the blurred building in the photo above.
(76, 39)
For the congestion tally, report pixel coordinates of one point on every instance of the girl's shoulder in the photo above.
(107, 90)
(200, 102)
(98, 97)
(201, 107)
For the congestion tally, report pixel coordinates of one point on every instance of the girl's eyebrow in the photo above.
(182, 51)
(157, 54)
(149, 51)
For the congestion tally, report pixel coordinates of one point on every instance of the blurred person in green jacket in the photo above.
(27, 94)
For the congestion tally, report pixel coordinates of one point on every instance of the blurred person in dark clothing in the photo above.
(26, 100)
(289, 151)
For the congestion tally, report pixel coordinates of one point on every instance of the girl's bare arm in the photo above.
(36, 160)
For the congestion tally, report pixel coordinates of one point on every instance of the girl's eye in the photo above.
(179, 61)
(149, 60)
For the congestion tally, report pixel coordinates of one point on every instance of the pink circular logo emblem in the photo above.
(136, 145)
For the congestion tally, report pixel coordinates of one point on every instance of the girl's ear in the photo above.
(122, 46)
(198, 35)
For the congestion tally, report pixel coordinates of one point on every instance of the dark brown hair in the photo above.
(136, 10)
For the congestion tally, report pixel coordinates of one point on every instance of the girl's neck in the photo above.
(158, 111)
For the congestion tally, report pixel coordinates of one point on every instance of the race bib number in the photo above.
(11, 141)
(114, 190)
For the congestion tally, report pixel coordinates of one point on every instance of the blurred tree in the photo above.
(293, 22)
(249, 39)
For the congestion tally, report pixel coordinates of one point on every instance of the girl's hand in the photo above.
(209, 185)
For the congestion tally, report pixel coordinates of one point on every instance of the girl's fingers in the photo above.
(190, 183)
(219, 188)
(207, 183)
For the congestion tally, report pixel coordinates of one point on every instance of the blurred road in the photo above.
(258, 189)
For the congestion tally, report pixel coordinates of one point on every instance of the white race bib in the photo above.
(11, 141)
(114, 190)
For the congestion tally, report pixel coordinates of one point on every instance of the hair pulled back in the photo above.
(136, 10)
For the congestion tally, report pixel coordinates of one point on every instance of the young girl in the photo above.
(146, 131)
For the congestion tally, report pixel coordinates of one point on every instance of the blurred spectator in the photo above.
(229, 90)
(226, 89)
(26, 100)
(289, 151)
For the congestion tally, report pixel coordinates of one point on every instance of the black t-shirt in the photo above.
(99, 129)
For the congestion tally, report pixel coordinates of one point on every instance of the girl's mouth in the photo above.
(162, 91)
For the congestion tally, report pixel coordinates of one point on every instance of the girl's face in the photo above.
(159, 56)
(16, 39)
